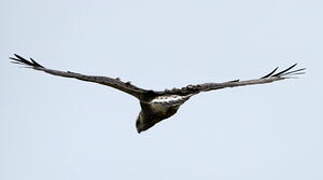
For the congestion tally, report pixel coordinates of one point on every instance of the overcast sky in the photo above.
(55, 129)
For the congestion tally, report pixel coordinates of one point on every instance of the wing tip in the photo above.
(17, 59)
(286, 73)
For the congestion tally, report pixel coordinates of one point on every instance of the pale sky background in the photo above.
(62, 129)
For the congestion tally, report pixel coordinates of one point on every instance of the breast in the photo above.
(159, 108)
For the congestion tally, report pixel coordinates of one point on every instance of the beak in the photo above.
(139, 131)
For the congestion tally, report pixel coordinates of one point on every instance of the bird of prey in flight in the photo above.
(159, 105)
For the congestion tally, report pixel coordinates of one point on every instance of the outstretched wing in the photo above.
(288, 73)
(115, 83)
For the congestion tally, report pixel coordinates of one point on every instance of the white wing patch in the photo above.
(170, 100)
(162, 103)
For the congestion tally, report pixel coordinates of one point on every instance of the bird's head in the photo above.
(142, 123)
(140, 126)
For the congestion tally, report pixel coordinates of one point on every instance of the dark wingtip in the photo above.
(22, 61)
(271, 73)
(282, 72)
(35, 63)
(285, 72)
(18, 56)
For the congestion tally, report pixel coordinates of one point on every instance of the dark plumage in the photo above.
(159, 105)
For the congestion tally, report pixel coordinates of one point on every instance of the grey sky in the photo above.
(54, 128)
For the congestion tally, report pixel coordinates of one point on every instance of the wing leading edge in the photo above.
(126, 87)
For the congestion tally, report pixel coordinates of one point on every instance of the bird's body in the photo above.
(159, 105)
(158, 109)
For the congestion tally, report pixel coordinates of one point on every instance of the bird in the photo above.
(157, 106)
